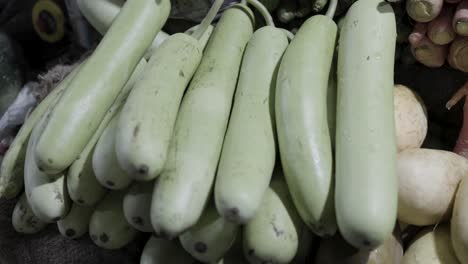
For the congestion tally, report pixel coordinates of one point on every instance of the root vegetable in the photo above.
(424, 50)
(410, 118)
(431, 246)
(458, 54)
(428, 180)
(460, 19)
(459, 223)
(461, 146)
(440, 30)
(424, 10)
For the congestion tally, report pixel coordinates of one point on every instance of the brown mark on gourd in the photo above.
(200, 247)
(138, 220)
(110, 183)
(70, 232)
(277, 231)
(50, 161)
(80, 201)
(143, 169)
(181, 74)
(136, 130)
(104, 238)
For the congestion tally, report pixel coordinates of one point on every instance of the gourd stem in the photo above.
(332, 8)
(206, 22)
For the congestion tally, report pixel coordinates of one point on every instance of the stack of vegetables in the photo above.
(440, 33)
(234, 143)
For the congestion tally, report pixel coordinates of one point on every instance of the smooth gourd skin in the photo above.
(184, 186)
(366, 181)
(83, 187)
(95, 87)
(302, 122)
(11, 170)
(75, 223)
(23, 219)
(108, 227)
(137, 205)
(273, 234)
(147, 121)
(249, 150)
(161, 250)
(105, 164)
(47, 194)
(210, 238)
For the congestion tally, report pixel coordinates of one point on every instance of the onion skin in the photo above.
(424, 10)
(460, 19)
(440, 30)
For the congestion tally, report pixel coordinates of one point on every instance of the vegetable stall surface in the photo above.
(366, 193)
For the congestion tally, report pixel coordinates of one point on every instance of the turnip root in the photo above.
(458, 55)
(410, 118)
(424, 50)
(459, 223)
(461, 146)
(424, 10)
(428, 180)
(440, 30)
(460, 19)
(431, 246)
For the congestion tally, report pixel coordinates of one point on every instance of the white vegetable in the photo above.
(410, 118)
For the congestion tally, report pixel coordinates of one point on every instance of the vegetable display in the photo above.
(239, 141)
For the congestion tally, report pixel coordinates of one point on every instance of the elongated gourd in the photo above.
(75, 223)
(249, 149)
(161, 250)
(366, 182)
(273, 234)
(302, 122)
(92, 91)
(211, 238)
(108, 228)
(137, 205)
(184, 186)
(105, 164)
(23, 219)
(146, 124)
(83, 187)
(11, 171)
(47, 194)
(101, 13)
